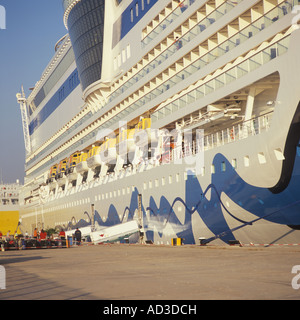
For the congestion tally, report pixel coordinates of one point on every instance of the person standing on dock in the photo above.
(43, 235)
(35, 234)
(78, 236)
(62, 234)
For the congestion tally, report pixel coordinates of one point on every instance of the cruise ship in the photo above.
(9, 207)
(181, 115)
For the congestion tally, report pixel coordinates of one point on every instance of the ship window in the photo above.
(246, 161)
(223, 166)
(143, 4)
(213, 169)
(128, 52)
(279, 154)
(61, 94)
(131, 15)
(234, 163)
(123, 55)
(262, 158)
(137, 9)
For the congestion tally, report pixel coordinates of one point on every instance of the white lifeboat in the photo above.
(82, 165)
(125, 142)
(93, 158)
(108, 151)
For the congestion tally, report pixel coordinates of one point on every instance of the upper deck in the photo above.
(213, 35)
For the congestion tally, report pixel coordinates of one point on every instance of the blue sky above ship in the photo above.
(27, 45)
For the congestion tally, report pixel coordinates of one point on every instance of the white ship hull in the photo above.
(243, 185)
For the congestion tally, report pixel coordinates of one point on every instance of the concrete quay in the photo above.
(149, 272)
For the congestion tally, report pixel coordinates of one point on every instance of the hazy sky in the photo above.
(26, 47)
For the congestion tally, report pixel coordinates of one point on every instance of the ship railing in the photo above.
(231, 75)
(240, 131)
(237, 132)
(251, 30)
(243, 35)
(236, 72)
(207, 21)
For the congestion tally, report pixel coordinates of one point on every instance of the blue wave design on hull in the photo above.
(282, 208)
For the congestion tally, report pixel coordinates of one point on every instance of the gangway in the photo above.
(115, 233)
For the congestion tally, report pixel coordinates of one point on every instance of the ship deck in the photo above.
(148, 272)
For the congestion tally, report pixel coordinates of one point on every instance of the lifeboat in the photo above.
(82, 165)
(71, 171)
(93, 157)
(108, 151)
(61, 172)
(52, 174)
(53, 171)
(143, 134)
(125, 142)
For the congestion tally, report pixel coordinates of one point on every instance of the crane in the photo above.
(23, 106)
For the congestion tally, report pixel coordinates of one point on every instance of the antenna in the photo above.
(25, 121)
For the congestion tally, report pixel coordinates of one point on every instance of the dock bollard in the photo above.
(177, 241)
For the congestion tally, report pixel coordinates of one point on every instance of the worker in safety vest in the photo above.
(62, 234)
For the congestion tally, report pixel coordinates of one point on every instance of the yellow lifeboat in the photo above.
(142, 134)
(125, 142)
(62, 167)
(71, 167)
(53, 171)
(93, 157)
(108, 151)
(81, 165)
(51, 181)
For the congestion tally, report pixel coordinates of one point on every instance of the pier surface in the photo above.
(134, 272)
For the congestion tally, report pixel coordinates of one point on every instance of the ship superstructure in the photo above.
(192, 105)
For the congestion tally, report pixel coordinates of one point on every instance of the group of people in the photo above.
(40, 235)
(9, 236)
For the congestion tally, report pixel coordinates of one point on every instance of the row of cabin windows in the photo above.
(122, 58)
(176, 178)
(73, 82)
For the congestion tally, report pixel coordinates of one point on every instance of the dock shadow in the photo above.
(22, 285)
